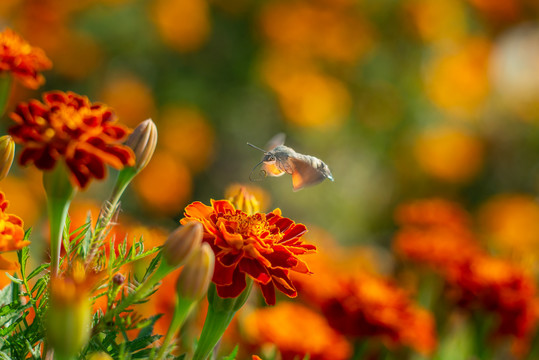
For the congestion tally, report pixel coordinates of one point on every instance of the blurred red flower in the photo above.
(11, 233)
(263, 246)
(69, 126)
(369, 306)
(22, 60)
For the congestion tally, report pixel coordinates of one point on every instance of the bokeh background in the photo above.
(402, 99)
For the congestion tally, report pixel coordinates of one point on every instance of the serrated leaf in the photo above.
(37, 270)
(23, 255)
(14, 279)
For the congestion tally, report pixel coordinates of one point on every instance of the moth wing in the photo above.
(275, 141)
(272, 169)
(306, 171)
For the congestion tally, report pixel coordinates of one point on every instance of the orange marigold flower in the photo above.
(432, 212)
(263, 246)
(22, 60)
(11, 234)
(440, 248)
(296, 331)
(69, 126)
(368, 306)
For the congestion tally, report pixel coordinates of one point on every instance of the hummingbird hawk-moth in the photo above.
(306, 170)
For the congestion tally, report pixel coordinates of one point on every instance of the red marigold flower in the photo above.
(263, 246)
(501, 288)
(69, 126)
(22, 60)
(11, 233)
(296, 331)
(368, 306)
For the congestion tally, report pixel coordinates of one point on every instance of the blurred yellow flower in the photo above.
(165, 185)
(449, 153)
(185, 133)
(456, 78)
(259, 198)
(439, 20)
(130, 97)
(511, 224)
(183, 24)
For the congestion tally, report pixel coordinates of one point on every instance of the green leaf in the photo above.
(37, 270)
(233, 354)
(14, 279)
(23, 255)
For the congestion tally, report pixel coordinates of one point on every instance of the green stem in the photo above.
(59, 194)
(139, 294)
(220, 314)
(5, 89)
(182, 310)
(57, 217)
(124, 178)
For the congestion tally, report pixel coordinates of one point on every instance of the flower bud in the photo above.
(181, 243)
(118, 279)
(69, 317)
(243, 200)
(7, 152)
(143, 141)
(100, 356)
(196, 275)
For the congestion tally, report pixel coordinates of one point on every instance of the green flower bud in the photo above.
(196, 275)
(143, 141)
(7, 152)
(182, 243)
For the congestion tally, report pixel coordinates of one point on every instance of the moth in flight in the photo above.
(279, 159)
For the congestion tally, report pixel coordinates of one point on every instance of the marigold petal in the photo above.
(7, 265)
(268, 291)
(223, 274)
(235, 288)
(255, 270)
(223, 207)
(295, 232)
(198, 210)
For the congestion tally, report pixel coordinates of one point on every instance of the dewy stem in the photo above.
(220, 314)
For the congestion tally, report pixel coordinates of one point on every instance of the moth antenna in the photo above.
(256, 147)
(262, 171)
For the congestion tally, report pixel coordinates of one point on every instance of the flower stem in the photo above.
(109, 209)
(59, 194)
(183, 309)
(142, 291)
(220, 314)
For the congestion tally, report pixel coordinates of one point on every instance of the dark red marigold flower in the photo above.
(23, 61)
(263, 246)
(69, 126)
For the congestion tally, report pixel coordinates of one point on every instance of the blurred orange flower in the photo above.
(457, 78)
(11, 233)
(449, 153)
(22, 60)
(296, 331)
(164, 194)
(183, 24)
(438, 21)
(68, 126)
(432, 212)
(263, 246)
(511, 224)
